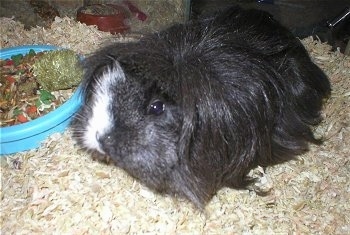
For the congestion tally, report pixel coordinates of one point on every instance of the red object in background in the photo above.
(136, 11)
(108, 23)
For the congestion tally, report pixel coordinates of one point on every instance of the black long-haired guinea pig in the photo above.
(193, 108)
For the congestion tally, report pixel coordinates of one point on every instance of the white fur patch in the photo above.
(101, 120)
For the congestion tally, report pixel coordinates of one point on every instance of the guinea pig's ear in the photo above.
(189, 112)
(186, 134)
(96, 66)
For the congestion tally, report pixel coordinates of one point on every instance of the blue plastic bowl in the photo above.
(29, 135)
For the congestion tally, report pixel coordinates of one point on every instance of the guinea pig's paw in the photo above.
(262, 184)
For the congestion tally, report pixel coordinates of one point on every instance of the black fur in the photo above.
(239, 91)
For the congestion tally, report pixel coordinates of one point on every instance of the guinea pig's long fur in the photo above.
(195, 107)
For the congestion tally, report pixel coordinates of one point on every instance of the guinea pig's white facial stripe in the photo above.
(101, 120)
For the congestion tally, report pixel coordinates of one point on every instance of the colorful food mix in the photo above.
(34, 84)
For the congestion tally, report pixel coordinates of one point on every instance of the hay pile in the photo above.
(58, 189)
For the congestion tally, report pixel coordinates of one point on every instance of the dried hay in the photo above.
(64, 32)
(159, 14)
(58, 189)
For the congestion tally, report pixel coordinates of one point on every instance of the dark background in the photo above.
(302, 17)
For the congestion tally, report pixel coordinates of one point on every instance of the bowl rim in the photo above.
(47, 121)
(120, 8)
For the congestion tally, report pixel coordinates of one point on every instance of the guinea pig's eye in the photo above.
(157, 107)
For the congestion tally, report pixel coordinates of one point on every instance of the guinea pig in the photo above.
(193, 108)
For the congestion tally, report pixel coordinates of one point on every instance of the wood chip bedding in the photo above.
(59, 189)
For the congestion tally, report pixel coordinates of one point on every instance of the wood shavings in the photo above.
(59, 189)
(64, 32)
